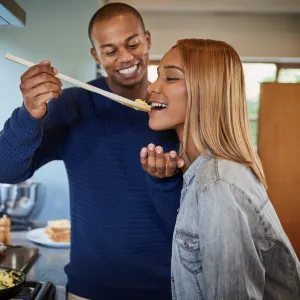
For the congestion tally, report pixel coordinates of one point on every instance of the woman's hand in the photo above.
(159, 164)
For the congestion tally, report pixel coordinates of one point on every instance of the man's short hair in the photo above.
(111, 10)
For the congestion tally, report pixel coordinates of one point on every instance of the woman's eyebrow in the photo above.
(173, 67)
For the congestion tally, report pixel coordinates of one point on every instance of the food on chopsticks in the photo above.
(59, 230)
(85, 86)
(7, 279)
(140, 101)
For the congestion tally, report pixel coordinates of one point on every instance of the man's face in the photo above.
(122, 48)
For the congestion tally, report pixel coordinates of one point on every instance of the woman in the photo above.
(228, 242)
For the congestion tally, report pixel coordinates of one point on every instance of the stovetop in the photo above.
(37, 290)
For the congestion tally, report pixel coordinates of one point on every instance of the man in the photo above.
(122, 219)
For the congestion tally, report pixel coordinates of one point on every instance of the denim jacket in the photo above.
(228, 242)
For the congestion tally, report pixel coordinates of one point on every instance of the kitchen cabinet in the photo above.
(279, 150)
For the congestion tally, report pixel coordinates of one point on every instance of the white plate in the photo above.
(40, 237)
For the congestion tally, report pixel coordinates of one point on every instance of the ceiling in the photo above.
(216, 6)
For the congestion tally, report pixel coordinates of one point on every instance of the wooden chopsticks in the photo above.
(136, 105)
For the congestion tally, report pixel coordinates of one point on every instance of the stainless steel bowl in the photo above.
(18, 200)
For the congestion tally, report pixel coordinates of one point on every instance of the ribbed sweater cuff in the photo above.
(26, 123)
(165, 183)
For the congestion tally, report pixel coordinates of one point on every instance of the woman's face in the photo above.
(168, 94)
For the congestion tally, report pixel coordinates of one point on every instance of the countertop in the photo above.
(49, 266)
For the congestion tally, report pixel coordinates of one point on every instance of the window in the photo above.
(289, 75)
(152, 72)
(255, 74)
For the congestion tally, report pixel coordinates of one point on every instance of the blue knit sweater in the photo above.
(122, 219)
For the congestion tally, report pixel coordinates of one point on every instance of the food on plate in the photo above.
(8, 278)
(59, 230)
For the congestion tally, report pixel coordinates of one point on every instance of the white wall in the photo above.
(257, 28)
(55, 30)
(253, 35)
(253, 6)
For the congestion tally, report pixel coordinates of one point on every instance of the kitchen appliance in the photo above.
(11, 14)
(19, 201)
(37, 290)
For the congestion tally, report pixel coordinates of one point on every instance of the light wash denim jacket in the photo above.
(228, 241)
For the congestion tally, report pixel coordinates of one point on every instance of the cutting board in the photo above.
(19, 257)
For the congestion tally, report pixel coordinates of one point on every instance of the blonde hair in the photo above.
(216, 117)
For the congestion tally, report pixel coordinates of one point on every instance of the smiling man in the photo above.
(121, 45)
(122, 220)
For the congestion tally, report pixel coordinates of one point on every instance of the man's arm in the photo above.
(231, 265)
(165, 194)
(19, 139)
(35, 132)
(164, 181)
(27, 143)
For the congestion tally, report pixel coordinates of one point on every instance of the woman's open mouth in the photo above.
(158, 106)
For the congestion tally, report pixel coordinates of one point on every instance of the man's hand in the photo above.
(38, 85)
(159, 164)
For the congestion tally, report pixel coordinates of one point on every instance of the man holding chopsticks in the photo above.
(122, 219)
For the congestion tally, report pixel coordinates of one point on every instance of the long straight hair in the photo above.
(216, 117)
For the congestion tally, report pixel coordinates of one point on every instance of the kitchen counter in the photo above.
(49, 266)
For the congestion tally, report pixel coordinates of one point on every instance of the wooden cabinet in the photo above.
(279, 150)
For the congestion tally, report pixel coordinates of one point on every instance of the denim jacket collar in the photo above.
(194, 167)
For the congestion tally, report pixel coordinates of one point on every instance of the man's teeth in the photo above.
(156, 104)
(128, 71)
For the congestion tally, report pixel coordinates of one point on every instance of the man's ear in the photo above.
(148, 38)
(95, 56)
